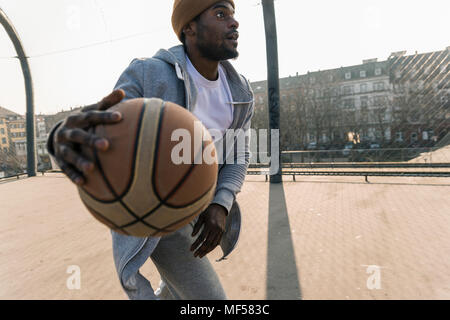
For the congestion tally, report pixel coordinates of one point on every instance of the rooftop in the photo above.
(7, 113)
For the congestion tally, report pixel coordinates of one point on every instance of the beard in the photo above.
(215, 53)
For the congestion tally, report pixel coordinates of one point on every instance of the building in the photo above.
(41, 128)
(17, 129)
(13, 142)
(421, 89)
(52, 120)
(21, 147)
(4, 139)
(363, 103)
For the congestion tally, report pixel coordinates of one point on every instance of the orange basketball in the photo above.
(136, 188)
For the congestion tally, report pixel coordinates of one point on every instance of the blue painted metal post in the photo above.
(273, 82)
(30, 121)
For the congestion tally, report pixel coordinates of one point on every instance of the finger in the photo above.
(198, 225)
(92, 118)
(82, 137)
(68, 155)
(107, 102)
(73, 174)
(217, 240)
(204, 248)
(200, 239)
(209, 245)
(112, 99)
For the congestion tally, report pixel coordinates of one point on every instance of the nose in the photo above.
(234, 24)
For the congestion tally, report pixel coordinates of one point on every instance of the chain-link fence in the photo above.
(393, 111)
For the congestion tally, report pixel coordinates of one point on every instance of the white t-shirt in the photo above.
(214, 106)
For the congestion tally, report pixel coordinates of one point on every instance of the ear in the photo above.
(190, 29)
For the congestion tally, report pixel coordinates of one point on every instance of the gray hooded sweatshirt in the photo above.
(164, 76)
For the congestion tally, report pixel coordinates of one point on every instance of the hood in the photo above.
(176, 56)
(173, 56)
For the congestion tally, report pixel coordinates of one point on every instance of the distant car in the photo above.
(311, 146)
(347, 149)
(374, 146)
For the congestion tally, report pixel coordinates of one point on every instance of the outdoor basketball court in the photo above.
(317, 238)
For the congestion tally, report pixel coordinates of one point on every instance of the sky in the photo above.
(79, 48)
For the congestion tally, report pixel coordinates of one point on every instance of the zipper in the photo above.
(243, 102)
(182, 76)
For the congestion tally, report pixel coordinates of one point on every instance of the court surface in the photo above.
(317, 238)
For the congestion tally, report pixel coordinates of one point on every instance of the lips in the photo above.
(233, 36)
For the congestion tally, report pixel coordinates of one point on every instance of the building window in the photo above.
(4, 140)
(414, 137)
(349, 103)
(348, 89)
(379, 101)
(363, 87)
(319, 93)
(2, 130)
(378, 86)
(364, 116)
(362, 73)
(364, 102)
(377, 71)
(348, 75)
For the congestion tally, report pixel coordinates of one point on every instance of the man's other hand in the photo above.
(72, 134)
(213, 220)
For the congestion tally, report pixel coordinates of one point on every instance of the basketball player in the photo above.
(198, 76)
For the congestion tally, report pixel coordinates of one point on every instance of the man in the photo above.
(197, 76)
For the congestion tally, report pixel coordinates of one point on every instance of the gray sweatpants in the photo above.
(184, 276)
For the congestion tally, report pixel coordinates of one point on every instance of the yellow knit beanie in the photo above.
(184, 11)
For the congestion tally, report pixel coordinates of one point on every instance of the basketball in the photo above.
(136, 188)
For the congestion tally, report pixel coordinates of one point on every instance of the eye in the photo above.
(220, 15)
